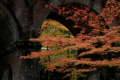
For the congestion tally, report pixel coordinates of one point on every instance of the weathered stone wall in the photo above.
(9, 33)
(30, 13)
(8, 26)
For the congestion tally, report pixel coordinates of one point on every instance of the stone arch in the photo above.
(68, 23)
(97, 5)
(98, 75)
(9, 31)
(41, 15)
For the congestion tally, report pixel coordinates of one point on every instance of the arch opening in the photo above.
(50, 27)
(53, 28)
(75, 14)
(69, 23)
(62, 12)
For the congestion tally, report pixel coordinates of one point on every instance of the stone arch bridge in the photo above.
(21, 20)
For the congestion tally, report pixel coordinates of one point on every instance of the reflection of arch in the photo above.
(7, 74)
(68, 23)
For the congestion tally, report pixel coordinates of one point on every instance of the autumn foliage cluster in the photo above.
(94, 47)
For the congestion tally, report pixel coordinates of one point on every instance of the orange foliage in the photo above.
(98, 41)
